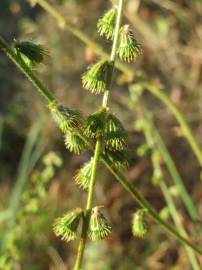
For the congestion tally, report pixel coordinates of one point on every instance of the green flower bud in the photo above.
(99, 228)
(129, 48)
(139, 224)
(106, 25)
(66, 227)
(32, 54)
(95, 79)
(95, 124)
(115, 134)
(74, 143)
(83, 175)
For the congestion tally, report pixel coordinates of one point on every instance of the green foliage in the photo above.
(17, 236)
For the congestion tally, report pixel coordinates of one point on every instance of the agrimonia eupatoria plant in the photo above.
(72, 123)
(102, 128)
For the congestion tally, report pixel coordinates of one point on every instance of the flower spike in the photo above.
(32, 54)
(83, 175)
(99, 228)
(115, 134)
(106, 25)
(66, 227)
(139, 224)
(96, 77)
(94, 125)
(74, 143)
(129, 48)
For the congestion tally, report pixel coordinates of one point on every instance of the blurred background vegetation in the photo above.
(36, 171)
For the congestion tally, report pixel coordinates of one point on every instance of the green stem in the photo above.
(176, 218)
(89, 206)
(27, 71)
(98, 148)
(181, 120)
(190, 206)
(118, 175)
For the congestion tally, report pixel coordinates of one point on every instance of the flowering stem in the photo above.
(98, 148)
(130, 74)
(118, 175)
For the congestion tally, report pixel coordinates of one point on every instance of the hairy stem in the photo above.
(118, 175)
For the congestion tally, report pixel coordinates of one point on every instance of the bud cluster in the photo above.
(67, 226)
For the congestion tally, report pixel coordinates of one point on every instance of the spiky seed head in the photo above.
(99, 228)
(95, 79)
(32, 54)
(106, 25)
(66, 226)
(129, 48)
(95, 124)
(139, 224)
(74, 143)
(115, 134)
(68, 119)
(83, 176)
(118, 159)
